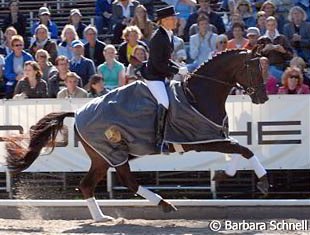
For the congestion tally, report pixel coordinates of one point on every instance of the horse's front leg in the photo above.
(129, 180)
(236, 150)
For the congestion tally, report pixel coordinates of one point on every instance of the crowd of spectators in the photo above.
(77, 61)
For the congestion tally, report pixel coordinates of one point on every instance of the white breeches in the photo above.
(158, 90)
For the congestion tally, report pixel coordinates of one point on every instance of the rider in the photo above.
(160, 66)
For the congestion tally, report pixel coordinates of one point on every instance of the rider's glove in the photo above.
(183, 70)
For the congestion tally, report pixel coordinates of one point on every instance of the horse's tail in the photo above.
(42, 134)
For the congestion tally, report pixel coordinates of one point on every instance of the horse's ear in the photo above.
(256, 51)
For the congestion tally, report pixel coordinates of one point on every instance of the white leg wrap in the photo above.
(232, 166)
(257, 166)
(149, 195)
(95, 210)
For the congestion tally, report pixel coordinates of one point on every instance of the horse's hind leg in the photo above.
(88, 184)
(129, 180)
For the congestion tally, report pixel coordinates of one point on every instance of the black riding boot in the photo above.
(160, 127)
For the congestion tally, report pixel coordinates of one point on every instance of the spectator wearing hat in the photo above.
(14, 64)
(253, 34)
(42, 41)
(15, 19)
(84, 67)
(160, 66)
(298, 32)
(214, 18)
(93, 48)
(75, 19)
(45, 18)
(72, 90)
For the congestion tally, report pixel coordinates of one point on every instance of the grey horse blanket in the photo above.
(132, 109)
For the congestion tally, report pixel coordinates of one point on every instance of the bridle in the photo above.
(250, 90)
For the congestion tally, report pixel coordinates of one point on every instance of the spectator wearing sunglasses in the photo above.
(14, 64)
(292, 81)
(221, 44)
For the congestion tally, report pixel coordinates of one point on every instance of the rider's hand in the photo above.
(183, 70)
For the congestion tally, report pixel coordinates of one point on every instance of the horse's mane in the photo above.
(205, 65)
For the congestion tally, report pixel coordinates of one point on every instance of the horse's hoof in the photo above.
(220, 176)
(167, 206)
(263, 185)
(104, 218)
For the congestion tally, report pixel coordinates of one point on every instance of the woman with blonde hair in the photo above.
(301, 64)
(112, 70)
(270, 9)
(261, 21)
(48, 69)
(31, 85)
(5, 48)
(142, 21)
(292, 80)
(244, 8)
(220, 44)
(68, 35)
(131, 36)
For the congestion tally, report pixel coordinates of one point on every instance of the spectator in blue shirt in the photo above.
(84, 67)
(44, 18)
(103, 18)
(14, 64)
(68, 35)
(244, 8)
(214, 18)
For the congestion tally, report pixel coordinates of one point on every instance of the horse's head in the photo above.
(250, 77)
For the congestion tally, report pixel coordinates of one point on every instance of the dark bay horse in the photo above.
(206, 90)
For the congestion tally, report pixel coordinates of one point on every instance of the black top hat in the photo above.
(166, 12)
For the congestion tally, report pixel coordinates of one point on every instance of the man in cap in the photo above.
(44, 18)
(84, 67)
(253, 34)
(75, 20)
(160, 66)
